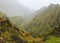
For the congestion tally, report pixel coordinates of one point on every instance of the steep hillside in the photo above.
(8, 34)
(19, 21)
(11, 34)
(46, 21)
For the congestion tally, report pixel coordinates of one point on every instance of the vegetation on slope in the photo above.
(46, 24)
(45, 21)
(45, 27)
(53, 39)
(11, 34)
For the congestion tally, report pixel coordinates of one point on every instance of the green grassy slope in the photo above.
(53, 39)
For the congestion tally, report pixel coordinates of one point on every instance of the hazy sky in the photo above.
(37, 4)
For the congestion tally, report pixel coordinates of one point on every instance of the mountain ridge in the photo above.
(45, 21)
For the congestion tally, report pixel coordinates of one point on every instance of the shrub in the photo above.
(2, 30)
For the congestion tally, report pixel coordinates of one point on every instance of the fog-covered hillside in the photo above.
(13, 8)
(19, 24)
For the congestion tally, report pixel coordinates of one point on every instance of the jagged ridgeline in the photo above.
(46, 21)
(11, 34)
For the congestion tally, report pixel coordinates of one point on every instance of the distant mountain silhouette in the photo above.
(13, 8)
